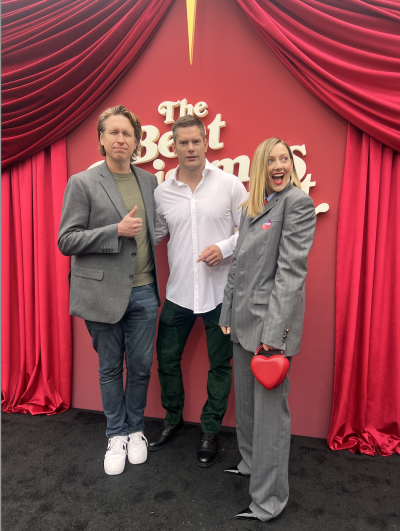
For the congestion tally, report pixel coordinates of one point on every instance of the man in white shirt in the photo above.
(198, 207)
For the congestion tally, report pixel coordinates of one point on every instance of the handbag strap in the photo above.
(262, 348)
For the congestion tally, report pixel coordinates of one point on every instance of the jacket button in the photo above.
(111, 250)
(133, 254)
(131, 277)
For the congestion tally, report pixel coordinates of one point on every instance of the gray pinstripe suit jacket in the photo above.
(103, 264)
(264, 297)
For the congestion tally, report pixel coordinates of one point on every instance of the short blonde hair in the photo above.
(259, 173)
(134, 120)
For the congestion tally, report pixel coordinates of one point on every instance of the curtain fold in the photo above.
(347, 53)
(59, 60)
(36, 328)
(366, 403)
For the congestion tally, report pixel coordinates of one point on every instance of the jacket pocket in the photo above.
(261, 297)
(87, 272)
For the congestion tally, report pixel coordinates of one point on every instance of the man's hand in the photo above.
(130, 226)
(211, 256)
(226, 330)
(268, 347)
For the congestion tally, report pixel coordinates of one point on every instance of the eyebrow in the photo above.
(116, 129)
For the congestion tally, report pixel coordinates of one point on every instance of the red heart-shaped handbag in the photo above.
(270, 372)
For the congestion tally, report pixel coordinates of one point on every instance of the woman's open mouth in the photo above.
(278, 178)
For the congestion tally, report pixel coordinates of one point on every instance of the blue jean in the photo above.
(134, 336)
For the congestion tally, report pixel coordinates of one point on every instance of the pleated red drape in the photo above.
(36, 339)
(345, 52)
(60, 59)
(366, 404)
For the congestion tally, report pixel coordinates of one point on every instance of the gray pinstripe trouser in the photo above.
(263, 432)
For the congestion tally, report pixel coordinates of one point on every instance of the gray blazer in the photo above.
(264, 297)
(103, 264)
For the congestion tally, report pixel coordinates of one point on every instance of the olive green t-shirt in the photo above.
(129, 189)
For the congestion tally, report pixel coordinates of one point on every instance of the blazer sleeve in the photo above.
(226, 310)
(297, 237)
(74, 237)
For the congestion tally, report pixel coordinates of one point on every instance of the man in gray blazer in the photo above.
(107, 226)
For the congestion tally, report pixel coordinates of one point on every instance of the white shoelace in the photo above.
(116, 445)
(137, 438)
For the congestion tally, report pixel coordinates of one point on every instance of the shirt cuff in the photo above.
(226, 248)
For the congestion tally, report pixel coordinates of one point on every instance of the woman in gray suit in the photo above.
(264, 304)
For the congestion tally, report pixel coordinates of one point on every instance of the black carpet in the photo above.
(53, 479)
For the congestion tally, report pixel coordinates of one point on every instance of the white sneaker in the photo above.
(137, 448)
(114, 460)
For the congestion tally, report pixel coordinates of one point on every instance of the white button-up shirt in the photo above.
(194, 221)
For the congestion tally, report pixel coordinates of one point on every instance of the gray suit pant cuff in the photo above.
(263, 432)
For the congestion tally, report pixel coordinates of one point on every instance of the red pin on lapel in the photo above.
(267, 224)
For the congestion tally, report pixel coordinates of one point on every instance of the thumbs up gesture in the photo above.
(130, 226)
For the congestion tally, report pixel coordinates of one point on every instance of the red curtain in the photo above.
(345, 52)
(36, 328)
(366, 404)
(60, 59)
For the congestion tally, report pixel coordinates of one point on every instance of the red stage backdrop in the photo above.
(239, 78)
(60, 60)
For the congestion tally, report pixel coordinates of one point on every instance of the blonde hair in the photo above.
(135, 122)
(259, 173)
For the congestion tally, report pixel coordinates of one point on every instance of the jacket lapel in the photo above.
(270, 205)
(108, 183)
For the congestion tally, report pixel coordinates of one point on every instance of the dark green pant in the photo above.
(173, 330)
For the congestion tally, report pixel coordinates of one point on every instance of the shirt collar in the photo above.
(209, 166)
(270, 196)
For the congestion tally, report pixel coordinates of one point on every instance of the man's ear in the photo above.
(205, 144)
(173, 148)
(101, 138)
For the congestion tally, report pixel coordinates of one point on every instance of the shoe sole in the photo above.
(114, 472)
(155, 448)
(206, 465)
(137, 462)
(237, 474)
